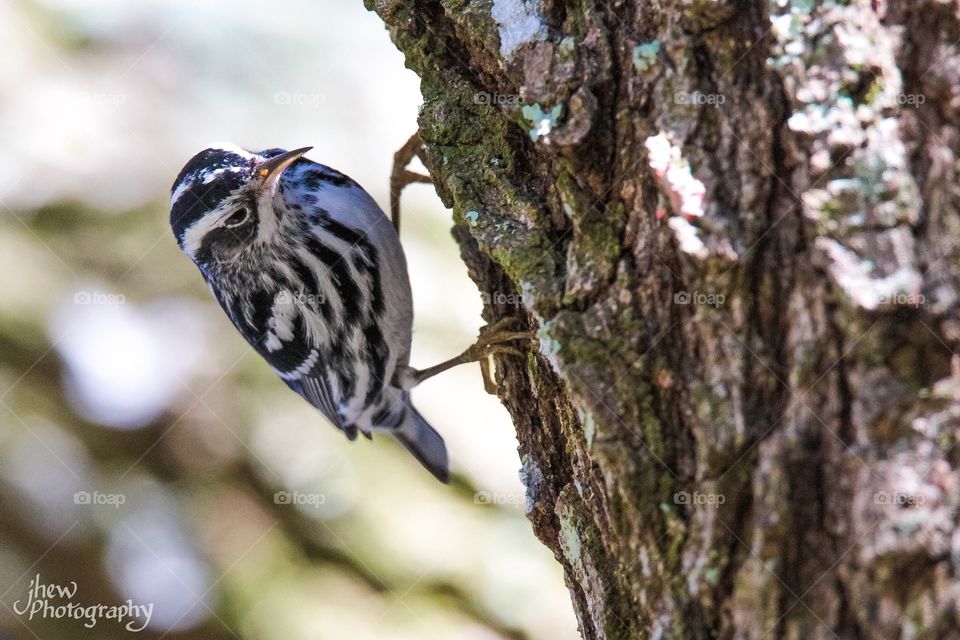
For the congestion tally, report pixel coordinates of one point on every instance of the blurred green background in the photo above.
(146, 453)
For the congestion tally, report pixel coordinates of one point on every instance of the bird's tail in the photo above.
(423, 441)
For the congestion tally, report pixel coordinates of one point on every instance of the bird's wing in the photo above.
(282, 338)
(315, 389)
(289, 350)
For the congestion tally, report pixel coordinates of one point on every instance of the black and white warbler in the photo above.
(311, 272)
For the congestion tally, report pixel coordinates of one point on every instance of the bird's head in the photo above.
(224, 200)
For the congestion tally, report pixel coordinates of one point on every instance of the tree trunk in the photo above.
(734, 226)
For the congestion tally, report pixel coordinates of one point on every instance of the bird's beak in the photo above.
(271, 169)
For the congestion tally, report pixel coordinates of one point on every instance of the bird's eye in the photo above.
(238, 218)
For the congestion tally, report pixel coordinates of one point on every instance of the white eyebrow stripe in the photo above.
(180, 190)
(204, 177)
(193, 236)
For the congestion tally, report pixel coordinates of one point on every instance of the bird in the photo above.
(312, 274)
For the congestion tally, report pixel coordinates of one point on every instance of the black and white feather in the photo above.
(312, 274)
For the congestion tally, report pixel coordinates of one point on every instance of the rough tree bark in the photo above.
(734, 225)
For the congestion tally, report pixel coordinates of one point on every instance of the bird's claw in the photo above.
(492, 341)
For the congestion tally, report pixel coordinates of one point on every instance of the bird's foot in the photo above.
(401, 177)
(494, 340)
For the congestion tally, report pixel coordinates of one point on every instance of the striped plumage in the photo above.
(312, 274)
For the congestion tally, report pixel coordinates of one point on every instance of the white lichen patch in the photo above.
(858, 279)
(519, 22)
(528, 295)
(543, 121)
(687, 238)
(589, 425)
(863, 199)
(549, 346)
(570, 542)
(685, 193)
(645, 55)
(532, 478)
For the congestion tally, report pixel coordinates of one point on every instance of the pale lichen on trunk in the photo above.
(734, 226)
